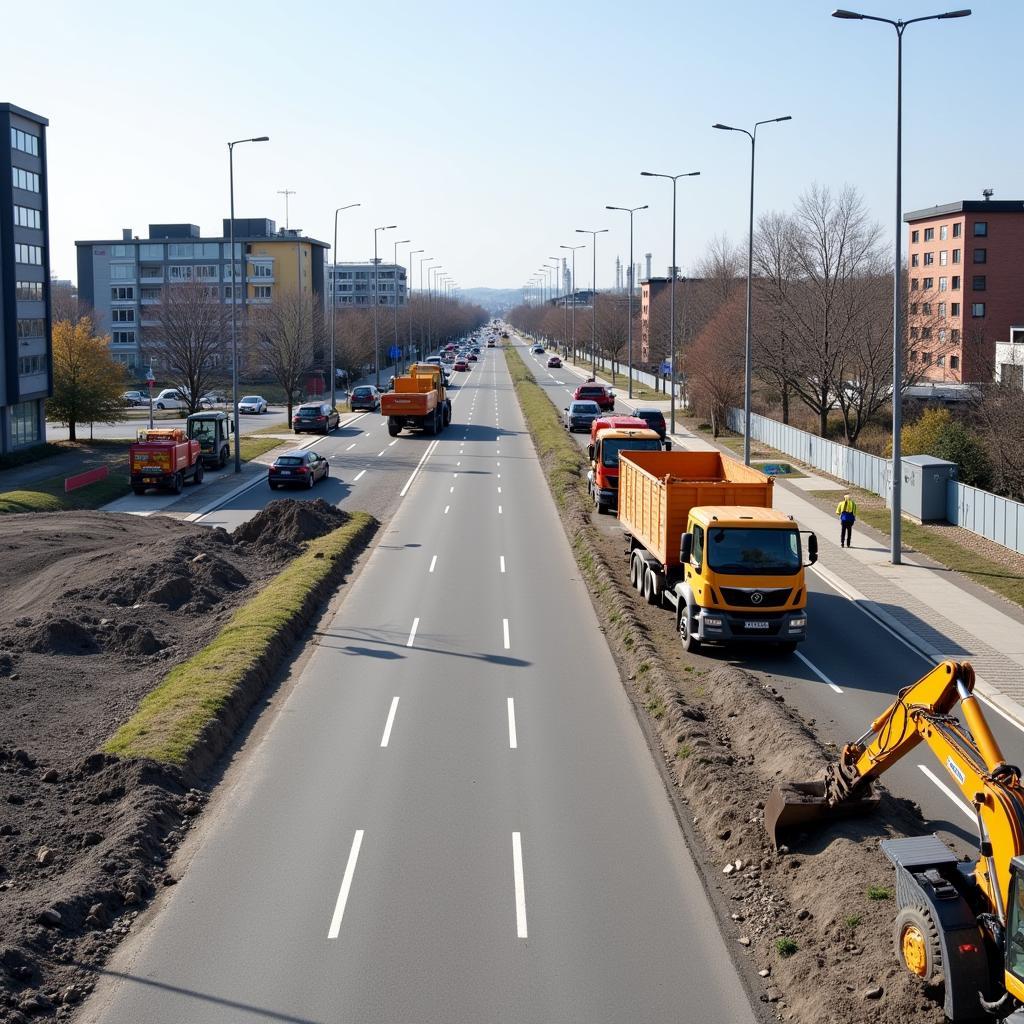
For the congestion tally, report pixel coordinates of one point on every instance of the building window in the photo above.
(122, 252)
(954, 336)
(913, 284)
(981, 229)
(127, 359)
(928, 283)
(954, 362)
(205, 250)
(929, 258)
(980, 256)
(122, 316)
(122, 337)
(31, 327)
(914, 333)
(29, 365)
(956, 282)
(913, 309)
(929, 234)
(957, 228)
(150, 294)
(122, 293)
(956, 255)
(29, 254)
(942, 311)
(24, 424)
(915, 260)
(926, 332)
(26, 217)
(977, 309)
(150, 251)
(27, 181)
(29, 291)
(926, 308)
(179, 251)
(206, 272)
(262, 270)
(978, 282)
(177, 272)
(262, 291)
(942, 284)
(943, 258)
(940, 360)
(226, 248)
(943, 232)
(122, 271)
(915, 236)
(954, 309)
(25, 142)
(927, 359)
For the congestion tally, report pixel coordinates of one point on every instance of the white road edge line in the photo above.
(419, 466)
(513, 739)
(817, 671)
(412, 633)
(389, 723)
(359, 475)
(504, 630)
(969, 811)
(346, 885)
(433, 562)
(517, 873)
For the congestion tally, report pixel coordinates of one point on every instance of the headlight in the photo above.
(712, 620)
(797, 623)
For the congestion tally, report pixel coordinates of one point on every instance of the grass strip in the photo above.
(254, 447)
(48, 495)
(171, 721)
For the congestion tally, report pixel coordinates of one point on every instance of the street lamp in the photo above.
(334, 291)
(629, 322)
(424, 314)
(674, 178)
(573, 249)
(431, 292)
(376, 302)
(234, 289)
(408, 298)
(747, 347)
(593, 298)
(895, 552)
(404, 241)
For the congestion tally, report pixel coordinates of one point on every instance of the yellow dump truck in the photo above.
(419, 401)
(705, 541)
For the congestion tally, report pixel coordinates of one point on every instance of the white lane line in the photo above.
(501, 563)
(451, 489)
(455, 475)
(499, 476)
(426, 455)
(389, 723)
(817, 671)
(433, 562)
(497, 463)
(499, 490)
(517, 873)
(412, 633)
(446, 509)
(499, 510)
(346, 884)
(351, 446)
(380, 453)
(969, 811)
(513, 739)
(504, 630)
(390, 443)
(458, 463)
(358, 475)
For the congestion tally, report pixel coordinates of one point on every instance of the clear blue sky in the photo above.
(488, 134)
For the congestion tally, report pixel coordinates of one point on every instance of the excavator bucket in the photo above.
(793, 805)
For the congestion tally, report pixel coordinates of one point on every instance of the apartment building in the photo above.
(354, 284)
(966, 293)
(26, 364)
(123, 279)
(650, 289)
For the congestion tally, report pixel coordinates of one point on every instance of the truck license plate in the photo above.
(757, 624)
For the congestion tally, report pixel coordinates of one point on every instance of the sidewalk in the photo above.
(923, 603)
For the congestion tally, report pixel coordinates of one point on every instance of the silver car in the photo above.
(253, 404)
(580, 415)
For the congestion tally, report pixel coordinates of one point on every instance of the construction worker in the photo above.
(847, 512)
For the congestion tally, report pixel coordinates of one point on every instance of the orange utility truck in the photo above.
(165, 459)
(604, 451)
(705, 541)
(418, 401)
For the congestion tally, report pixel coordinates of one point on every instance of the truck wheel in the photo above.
(223, 460)
(393, 427)
(651, 595)
(690, 643)
(917, 942)
(177, 483)
(197, 476)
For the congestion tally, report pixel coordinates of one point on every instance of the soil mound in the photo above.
(62, 636)
(289, 522)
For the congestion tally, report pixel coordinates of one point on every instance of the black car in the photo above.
(655, 419)
(366, 396)
(315, 417)
(298, 469)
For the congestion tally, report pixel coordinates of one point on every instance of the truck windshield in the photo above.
(610, 448)
(735, 551)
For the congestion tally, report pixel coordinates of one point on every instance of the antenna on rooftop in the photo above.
(988, 193)
(286, 192)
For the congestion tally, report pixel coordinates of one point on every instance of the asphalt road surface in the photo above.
(453, 815)
(844, 675)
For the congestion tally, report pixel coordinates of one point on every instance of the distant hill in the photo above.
(494, 300)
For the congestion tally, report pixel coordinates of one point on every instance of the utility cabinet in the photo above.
(924, 486)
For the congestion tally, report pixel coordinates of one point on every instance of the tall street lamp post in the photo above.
(432, 285)
(629, 322)
(573, 248)
(747, 347)
(895, 552)
(593, 298)
(404, 241)
(376, 302)
(674, 178)
(408, 301)
(425, 340)
(234, 291)
(333, 291)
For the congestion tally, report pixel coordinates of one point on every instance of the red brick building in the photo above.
(966, 273)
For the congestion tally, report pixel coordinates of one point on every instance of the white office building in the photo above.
(355, 284)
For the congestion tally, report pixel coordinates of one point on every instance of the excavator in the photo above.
(962, 921)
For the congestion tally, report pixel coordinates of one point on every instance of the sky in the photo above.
(489, 133)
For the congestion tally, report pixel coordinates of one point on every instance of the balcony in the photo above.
(151, 276)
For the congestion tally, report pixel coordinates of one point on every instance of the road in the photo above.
(452, 815)
(845, 674)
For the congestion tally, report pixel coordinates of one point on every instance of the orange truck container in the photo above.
(165, 459)
(705, 541)
(418, 401)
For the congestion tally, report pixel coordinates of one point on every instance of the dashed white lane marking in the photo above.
(346, 885)
(817, 671)
(358, 475)
(969, 811)
(389, 723)
(391, 443)
(504, 630)
(446, 509)
(517, 874)
(351, 446)
(451, 489)
(499, 490)
(513, 740)
(499, 510)
(419, 466)
(433, 562)
(501, 563)
(412, 633)
(458, 463)
(381, 452)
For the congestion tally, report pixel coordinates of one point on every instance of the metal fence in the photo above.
(998, 519)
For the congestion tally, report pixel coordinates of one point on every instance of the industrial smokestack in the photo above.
(647, 259)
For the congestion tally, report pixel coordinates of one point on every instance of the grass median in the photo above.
(173, 719)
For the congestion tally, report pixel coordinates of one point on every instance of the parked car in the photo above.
(170, 398)
(604, 397)
(554, 363)
(654, 418)
(212, 398)
(315, 417)
(460, 364)
(297, 469)
(135, 398)
(254, 404)
(579, 415)
(366, 396)
(490, 343)
(472, 357)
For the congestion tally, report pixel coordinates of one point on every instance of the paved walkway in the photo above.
(932, 608)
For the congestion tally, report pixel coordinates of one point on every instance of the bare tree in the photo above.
(612, 328)
(714, 362)
(722, 267)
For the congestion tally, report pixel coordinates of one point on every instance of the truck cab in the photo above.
(603, 452)
(213, 431)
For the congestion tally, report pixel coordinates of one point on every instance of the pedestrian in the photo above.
(847, 512)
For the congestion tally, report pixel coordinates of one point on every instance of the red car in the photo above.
(554, 363)
(604, 397)
(460, 364)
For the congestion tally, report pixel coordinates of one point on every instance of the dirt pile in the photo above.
(289, 523)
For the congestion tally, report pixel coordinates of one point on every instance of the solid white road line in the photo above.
(969, 811)
(358, 475)
(389, 723)
(346, 885)
(419, 466)
(513, 740)
(817, 671)
(433, 562)
(517, 873)
(412, 633)
(501, 563)
(504, 630)
(351, 446)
